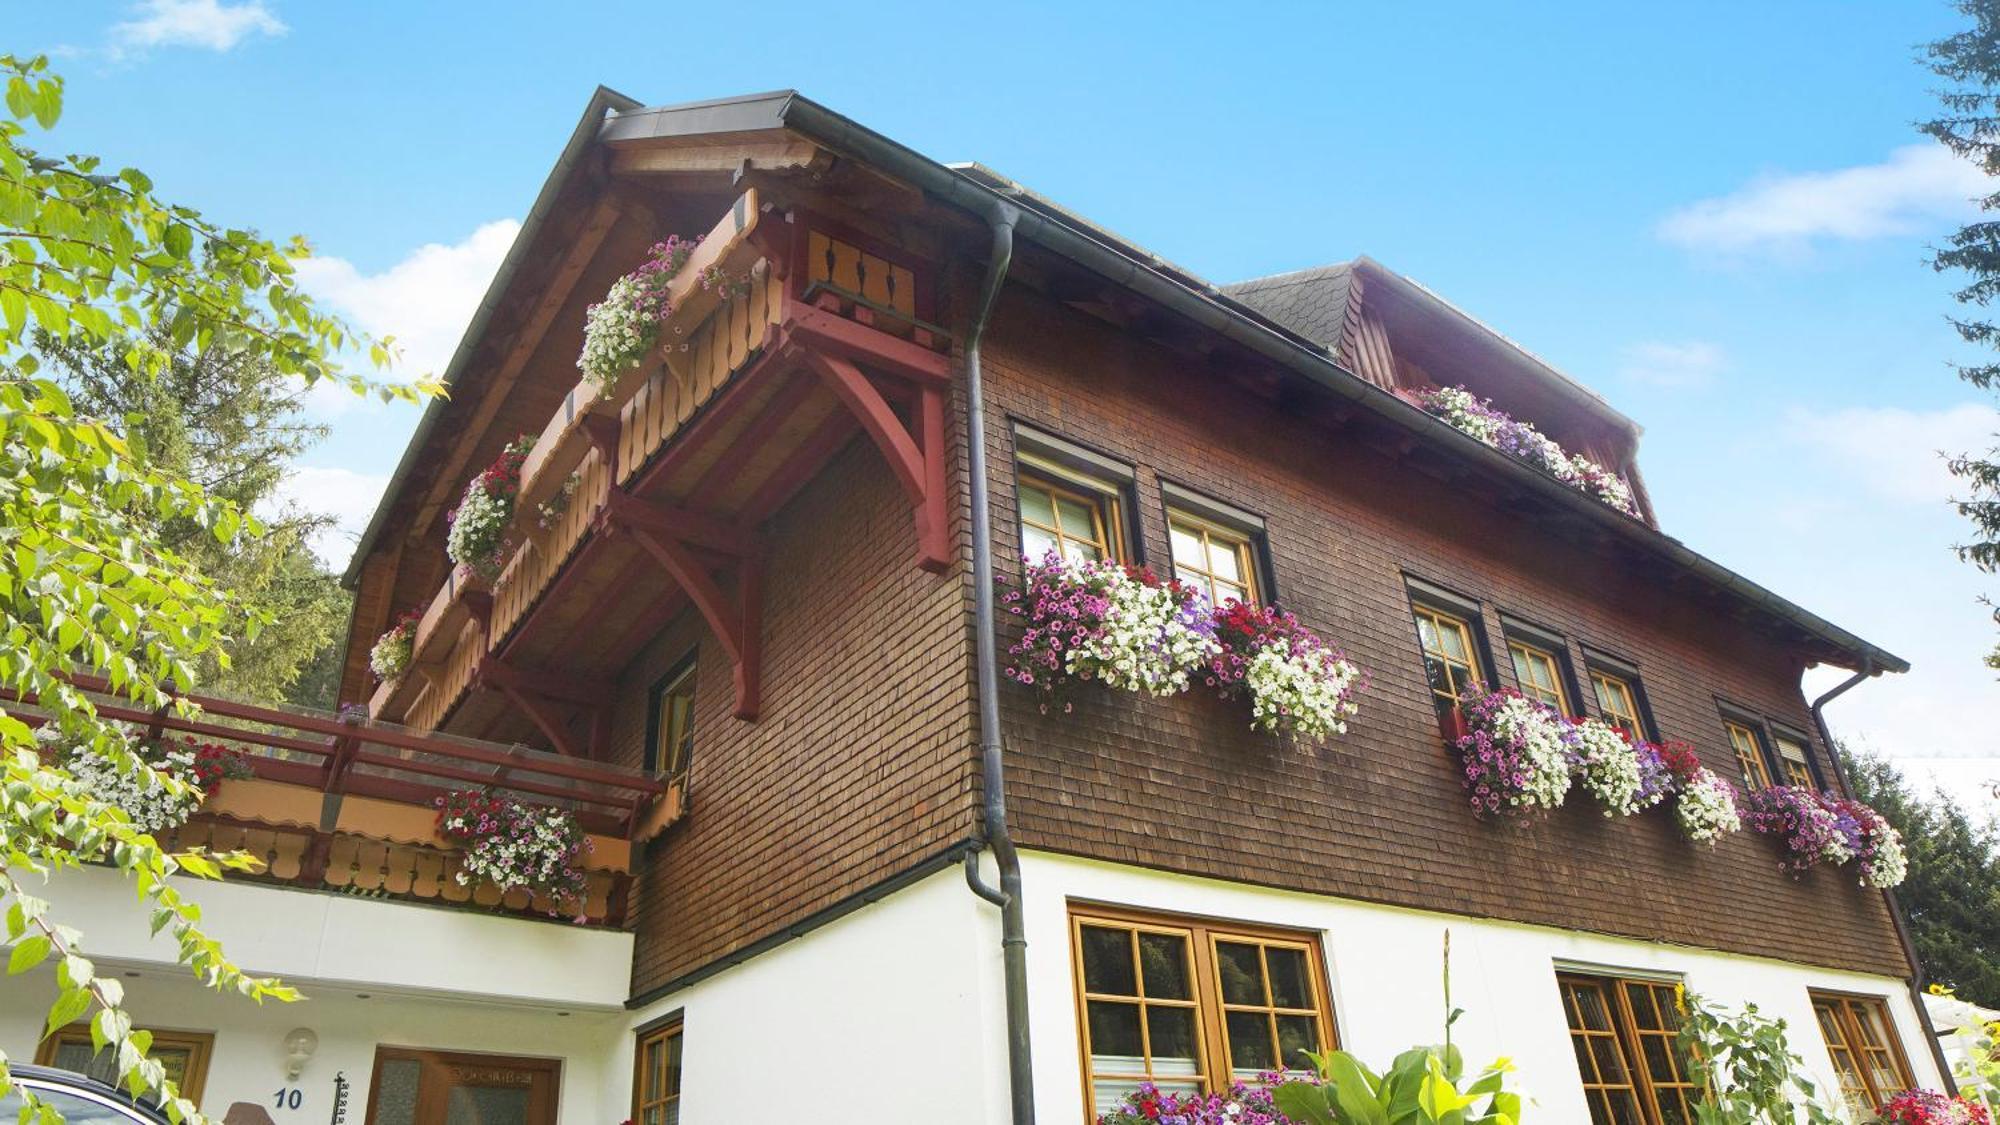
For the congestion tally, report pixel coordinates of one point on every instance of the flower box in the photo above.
(1452, 726)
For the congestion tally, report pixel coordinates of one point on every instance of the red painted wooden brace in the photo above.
(916, 459)
(738, 623)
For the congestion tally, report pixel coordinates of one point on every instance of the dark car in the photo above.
(78, 1098)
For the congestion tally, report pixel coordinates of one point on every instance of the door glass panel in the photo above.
(395, 1093)
(486, 1105)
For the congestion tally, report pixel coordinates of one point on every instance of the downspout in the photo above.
(986, 658)
(1916, 980)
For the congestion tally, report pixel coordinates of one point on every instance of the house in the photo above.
(742, 628)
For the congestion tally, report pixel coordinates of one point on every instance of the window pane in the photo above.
(1250, 1043)
(1036, 543)
(1296, 1035)
(1107, 962)
(1164, 960)
(1242, 973)
(1173, 1037)
(1078, 550)
(395, 1093)
(1114, 1037)
(1225, 591)
(75, 1110)
(1291, 984)
(1186, 546)
(1223, 559)
(1075, 518)
(1037, 506)
(1453, 637)
(672, 1087)
(486, 1105)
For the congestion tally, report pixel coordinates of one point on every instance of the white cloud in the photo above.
(1681, 366)
(1916, 189)
(349, 497)
(210, 24)
(1894, 453)
(424, 301)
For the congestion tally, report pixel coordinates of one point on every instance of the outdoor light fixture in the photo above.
(300, 1043)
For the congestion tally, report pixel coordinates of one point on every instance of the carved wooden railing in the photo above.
(352, 805)
(605, 436)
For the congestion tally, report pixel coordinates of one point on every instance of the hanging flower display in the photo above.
(512, 845)
(478, 535)
(157, 799)
(391, 654)
(1928, 1107)
(1241, 1104)
(1816, 828)
(1517, 756)
(1297, 683)
(1622, 776)
(1479, 418)
(1704, 801)
(620, 330)
(1120, 626)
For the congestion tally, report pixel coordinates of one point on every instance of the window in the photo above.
(1071, 499)
(184, 1054)
(1539, 672)
(1866, 1053)
(1191, 1006)
(1618, 701)
(1794, 761)
(1749, 750)
(1624, 1034)
(1451, 659)
(670, 745)
(1219, 561)
(656, 1089)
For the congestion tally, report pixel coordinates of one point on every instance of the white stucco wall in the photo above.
(1384, 964)
(374, 973)
(889, 1014)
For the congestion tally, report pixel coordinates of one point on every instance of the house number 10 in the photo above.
(290, 1097)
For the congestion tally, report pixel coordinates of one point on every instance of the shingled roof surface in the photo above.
(1312, 303)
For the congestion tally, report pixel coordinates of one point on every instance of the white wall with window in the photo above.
(1383, 985)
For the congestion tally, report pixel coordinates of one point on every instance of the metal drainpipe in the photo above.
(1013, 927)
(1916, 981)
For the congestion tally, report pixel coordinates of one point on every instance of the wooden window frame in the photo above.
(1201, 933)
(1436, 602)
(1627, 676)
(1843, 1004)
(1758, 755)
(674, 1027)
(200, 1046)
(1555, 650)
(1248, 546)
(1057, 465)
(1783, 734)
(1627, 1037)
(684, 671)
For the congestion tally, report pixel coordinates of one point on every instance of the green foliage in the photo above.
(1952, 895)
(232, 425)
(1969, 125)
(1753, 1077)
(91, 579)
(1423, 1085)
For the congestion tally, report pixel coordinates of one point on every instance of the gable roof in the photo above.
(1284, 335)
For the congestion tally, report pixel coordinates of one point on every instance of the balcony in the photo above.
(676, 468)
(343, 804)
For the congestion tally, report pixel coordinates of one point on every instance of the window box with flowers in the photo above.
(516, 845)
(1815, 828)
(157, 783)
(1480, 419)
(1929, 1107)
(480, 527)
(1125, 628)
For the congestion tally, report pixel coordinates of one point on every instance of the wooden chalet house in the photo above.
(744, 633)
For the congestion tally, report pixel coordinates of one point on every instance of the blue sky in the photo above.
(1715, 214)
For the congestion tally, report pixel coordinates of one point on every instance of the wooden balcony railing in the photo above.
(351, 804)
(796, 291)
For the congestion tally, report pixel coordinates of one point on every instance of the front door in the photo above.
(414, 1087)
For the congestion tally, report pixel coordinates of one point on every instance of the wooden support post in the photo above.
(737, 624)
(910, 462)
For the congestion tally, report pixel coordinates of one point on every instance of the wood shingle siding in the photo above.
(1182, 784)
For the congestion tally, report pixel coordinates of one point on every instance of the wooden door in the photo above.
(413, 1087)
